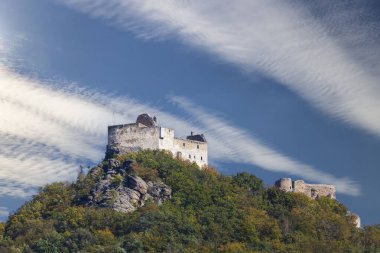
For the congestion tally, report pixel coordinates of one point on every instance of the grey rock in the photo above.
(129, 196)
(127, 201)
(113, 163)
(132, 195)
(121, 205)
(159, 191)
(113, 166)
(137, 183)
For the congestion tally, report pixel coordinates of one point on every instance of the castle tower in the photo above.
(285, 184)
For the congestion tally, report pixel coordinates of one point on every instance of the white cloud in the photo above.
(4, 211)
(47, 131)
(231, 144)
(279, 39)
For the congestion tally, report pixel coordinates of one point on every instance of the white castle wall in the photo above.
(131, 137)
(194, 151)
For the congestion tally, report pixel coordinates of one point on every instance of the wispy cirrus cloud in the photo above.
(232, 144)
(313, 56)
(48, 130)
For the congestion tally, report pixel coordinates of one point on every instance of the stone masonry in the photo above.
(146, 134)
(311, 190)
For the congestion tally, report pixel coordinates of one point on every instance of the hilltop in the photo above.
(147, 201)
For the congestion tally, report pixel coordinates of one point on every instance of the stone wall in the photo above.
(285, 184)
(166, 140)
(357, 220)
(132, 137)
(316, 190)
(311, 190)
(194, 151)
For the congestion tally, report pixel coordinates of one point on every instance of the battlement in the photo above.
(311, 190)
(145, 133)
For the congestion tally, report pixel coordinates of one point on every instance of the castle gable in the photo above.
(196, 137)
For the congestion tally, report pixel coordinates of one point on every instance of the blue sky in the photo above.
(286, 89)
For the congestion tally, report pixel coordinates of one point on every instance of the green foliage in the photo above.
(2, 228)
(117, 180)
(208, 212)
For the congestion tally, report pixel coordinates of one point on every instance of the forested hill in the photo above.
(149, 202)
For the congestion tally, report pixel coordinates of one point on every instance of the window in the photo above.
(162, 133)
(201, 158)
(183, 144)
(189, 155)
(197, 146)
(313, 193)
(194, 157)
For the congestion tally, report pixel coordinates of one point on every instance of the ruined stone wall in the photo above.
(193, 151)
(299, 186)
(131, 137)
(315, 190)
(311, 190)
(357, 220)
(285, 184)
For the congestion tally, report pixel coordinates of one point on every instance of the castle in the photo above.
(311, 190)
(145, 133)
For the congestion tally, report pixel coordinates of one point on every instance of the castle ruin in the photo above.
(311, 190)
(145, 133)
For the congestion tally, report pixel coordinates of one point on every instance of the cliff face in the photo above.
(118, 188)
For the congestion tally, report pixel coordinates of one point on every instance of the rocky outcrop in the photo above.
(121, 190)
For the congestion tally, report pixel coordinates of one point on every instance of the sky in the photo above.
(279, 88)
